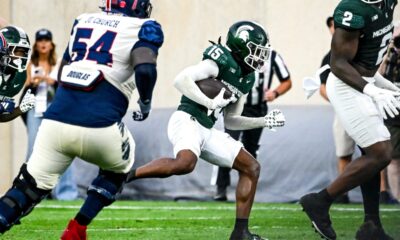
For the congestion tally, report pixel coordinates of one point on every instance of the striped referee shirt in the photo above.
(274, 65)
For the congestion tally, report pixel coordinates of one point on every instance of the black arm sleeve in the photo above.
(146, 76)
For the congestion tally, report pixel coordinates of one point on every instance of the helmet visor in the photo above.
(18, 57)
(258, 56)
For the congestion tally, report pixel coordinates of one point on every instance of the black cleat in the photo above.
(221, 194)
(318, 212)
(369, 231)
(246, 236)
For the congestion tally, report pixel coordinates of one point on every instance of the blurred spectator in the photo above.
(41, 79)
(256, 106)
(344, 144)
(390, 69)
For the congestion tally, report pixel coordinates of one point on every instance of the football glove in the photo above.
(219, 101)
(28, 102)
(382, 82)
(144, 111)
(7, 106)
(385, 100)
(273, 119)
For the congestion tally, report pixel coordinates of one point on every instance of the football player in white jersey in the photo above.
(85, 118)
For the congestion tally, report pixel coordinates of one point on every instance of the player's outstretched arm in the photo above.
(27, 103)
(185, 83)
(144, 61)
(234, 121)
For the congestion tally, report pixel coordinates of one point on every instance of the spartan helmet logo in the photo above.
(243, 32)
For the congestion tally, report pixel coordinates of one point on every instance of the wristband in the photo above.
(276, 93)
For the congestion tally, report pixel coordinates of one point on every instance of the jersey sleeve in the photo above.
(66, 55)
(216, 53)
(151, 36)
(348, 15)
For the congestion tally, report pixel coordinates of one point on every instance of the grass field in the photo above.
(191, 220)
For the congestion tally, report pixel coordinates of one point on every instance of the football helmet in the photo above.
(130, 8)
(15, 49)
(372, 1)
(249, 43)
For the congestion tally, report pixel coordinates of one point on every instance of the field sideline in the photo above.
(192, 220)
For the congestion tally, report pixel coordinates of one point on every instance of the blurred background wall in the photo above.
(297, 30)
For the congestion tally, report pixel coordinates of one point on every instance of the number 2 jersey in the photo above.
(375, 25)
(230, 74)
(96, 86)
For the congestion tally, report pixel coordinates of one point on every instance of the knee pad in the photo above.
(107, 185)
(20, 199)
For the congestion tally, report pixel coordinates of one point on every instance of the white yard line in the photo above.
(199, 208)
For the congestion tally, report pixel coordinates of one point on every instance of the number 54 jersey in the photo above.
(375, 25)
(96, 86)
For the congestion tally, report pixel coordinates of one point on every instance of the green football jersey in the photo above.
(230, 74)
(375, 25)
(11, 87)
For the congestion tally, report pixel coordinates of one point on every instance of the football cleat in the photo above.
(221, 194)
(369, 231)
(246, 235)
(317, 211)
(74, 231)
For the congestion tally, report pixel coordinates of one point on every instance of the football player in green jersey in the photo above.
(190, 128)
(14, 54)
(361, 98)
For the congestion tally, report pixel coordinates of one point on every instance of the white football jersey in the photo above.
(103, 42)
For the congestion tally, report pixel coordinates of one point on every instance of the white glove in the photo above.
(28, 102)
(219, 101)
(385, 100)
(382, 82)
(275, 118)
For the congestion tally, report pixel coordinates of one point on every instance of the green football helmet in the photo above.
(15, 49)
(249, 44)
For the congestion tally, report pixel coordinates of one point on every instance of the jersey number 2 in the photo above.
(99, 51)
(384, 46)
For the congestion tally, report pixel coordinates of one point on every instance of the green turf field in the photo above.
(191, 220)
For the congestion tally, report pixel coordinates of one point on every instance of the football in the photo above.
(211, 87)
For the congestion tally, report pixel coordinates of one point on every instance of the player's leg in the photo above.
(222, 150)
(112, 149)
(362, 122)
(224, 177)
(249, 171)
(185, 134)
(35, 179)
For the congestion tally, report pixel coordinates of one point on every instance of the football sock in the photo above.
(92, 206)
(241, 225)
(370, 192)
(325, 196)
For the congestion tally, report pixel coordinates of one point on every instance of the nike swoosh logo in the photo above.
(16, 85)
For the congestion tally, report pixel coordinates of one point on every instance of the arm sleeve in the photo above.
(280, 68)
(234, 121)
(185, 81)
(146, 76)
